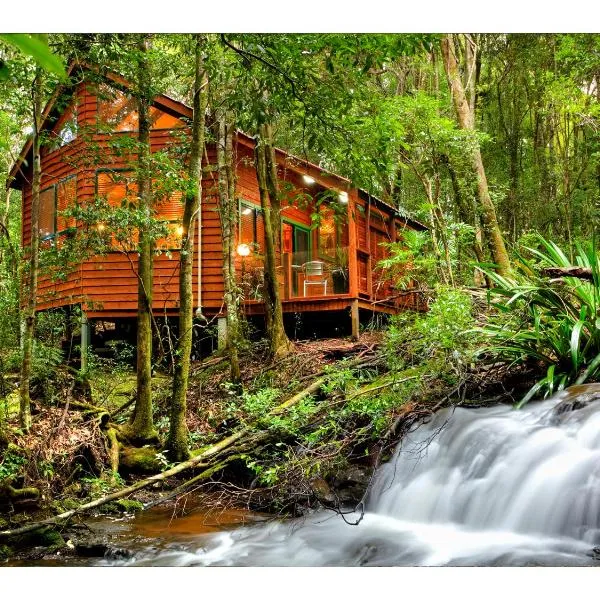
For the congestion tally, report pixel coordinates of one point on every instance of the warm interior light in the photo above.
(179, 230)
(344, 197)
(246, 211)
(308, 179)
(243, 250)
(101, 227)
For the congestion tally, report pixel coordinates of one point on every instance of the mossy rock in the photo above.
(123, 506)
(139, 460)
(47, 537)
(61, 506)
(5, 552)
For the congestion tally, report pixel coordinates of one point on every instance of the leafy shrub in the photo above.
(11, 465)
(555, 324)
(444, 333)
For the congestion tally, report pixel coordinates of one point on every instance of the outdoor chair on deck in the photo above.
(314, 274)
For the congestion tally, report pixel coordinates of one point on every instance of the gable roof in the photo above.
(50, 111)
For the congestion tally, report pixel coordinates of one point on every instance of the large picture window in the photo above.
(116, 186)
(119, 188)
(117, 111)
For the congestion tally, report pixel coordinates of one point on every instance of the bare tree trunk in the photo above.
(466, 121)
(228, 214)
(31, 284)
(141, 427)
(266, 174)
(177, 441)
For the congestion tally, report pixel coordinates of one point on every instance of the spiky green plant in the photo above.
(555, 323)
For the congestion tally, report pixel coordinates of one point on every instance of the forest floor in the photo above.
(322, 453)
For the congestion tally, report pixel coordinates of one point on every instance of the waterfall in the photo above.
(488, 486)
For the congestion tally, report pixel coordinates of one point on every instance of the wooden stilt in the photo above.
(355, 320)
(85, 341)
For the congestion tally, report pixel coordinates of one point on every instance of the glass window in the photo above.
(252, 228)
(67, 129)
(118, 112)
(116, 186)
(47, 221)
(327, 233)
(66, 195)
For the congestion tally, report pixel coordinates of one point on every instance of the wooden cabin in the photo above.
(332, 234)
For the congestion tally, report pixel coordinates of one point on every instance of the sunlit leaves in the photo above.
(36, 47)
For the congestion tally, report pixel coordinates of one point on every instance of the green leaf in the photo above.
(575, 335)
(37, 49)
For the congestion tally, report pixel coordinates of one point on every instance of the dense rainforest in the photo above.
(489, 141)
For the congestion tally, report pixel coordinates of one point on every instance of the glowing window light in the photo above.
(308, 179)
(343, 197)
(246, 211)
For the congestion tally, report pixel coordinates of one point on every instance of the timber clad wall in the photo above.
(106, 286)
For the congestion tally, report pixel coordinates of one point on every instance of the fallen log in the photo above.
(559, 272)
(200, 460)
(185, 487)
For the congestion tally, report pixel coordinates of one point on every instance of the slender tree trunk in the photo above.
(466, 121)
(141, 427)
(13, 264)
(466, 216)
(31, 285)
(279, 344)
(442, 228)
(228, 214)
(177, 441)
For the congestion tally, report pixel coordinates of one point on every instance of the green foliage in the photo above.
(11, 464)
(549, 323)
(36, 47)
(410, 262)
(256, 405)
(442, 334)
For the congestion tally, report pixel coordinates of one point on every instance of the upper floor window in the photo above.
(117, 111)
(65, 130)
(68, 132)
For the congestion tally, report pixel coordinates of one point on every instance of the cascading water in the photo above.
(490, 486)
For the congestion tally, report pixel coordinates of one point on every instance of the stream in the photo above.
(482, 487)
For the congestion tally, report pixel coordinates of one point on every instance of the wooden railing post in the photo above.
(287, 275)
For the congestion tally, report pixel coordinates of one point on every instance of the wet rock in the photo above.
(118, 553)
(575, 398)
(91, 550)
(595, 553)
(322, 491)
(351, 484)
